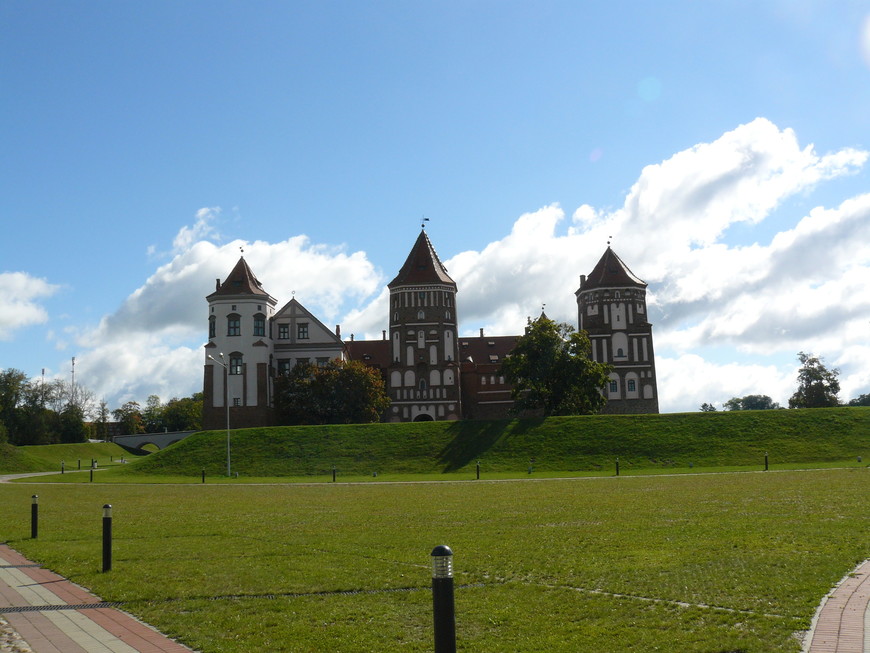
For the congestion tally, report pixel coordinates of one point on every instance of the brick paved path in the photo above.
(53, 615)
(842, 623)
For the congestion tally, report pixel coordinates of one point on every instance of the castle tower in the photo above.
(239, 318)
(423, 374)
(611, 305)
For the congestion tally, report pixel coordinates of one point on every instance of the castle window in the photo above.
(420, 315)
(322, 361)
(212, 327)
(302, 331)
(237, 401)
(235, 363)
(620, 353)
(234, 325)
(614, 386)
(284, 366)
(259, 325)
(283, 332)
(632, 385)
(422, 384)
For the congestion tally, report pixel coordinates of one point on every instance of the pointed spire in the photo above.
(422, 266)
(609, 272)
(241, 281)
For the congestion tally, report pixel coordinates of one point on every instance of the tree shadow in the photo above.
(471, 440)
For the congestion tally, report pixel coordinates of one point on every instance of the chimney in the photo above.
(338, 330)
(383, 334)
(582, 280)
(217, 285)
(481, 332)
(351, 337)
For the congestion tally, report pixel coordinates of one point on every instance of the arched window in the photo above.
(236, 363)
(423, 385)
(212, 327)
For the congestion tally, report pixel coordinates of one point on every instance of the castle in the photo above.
(430, 371)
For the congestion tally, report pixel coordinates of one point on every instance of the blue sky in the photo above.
(144, 143)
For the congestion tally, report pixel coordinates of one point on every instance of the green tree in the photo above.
(343, 392)
(101, 424)
(751, 402)
(130, 418)
(72, 425)
(183, 414)
(817, 385)
(152, 415)
(708, 408)
(862, 400)
(552, 373)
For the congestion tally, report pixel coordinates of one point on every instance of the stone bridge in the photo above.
(159, 440)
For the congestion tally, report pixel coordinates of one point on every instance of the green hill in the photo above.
(567, 444)
(47, 457)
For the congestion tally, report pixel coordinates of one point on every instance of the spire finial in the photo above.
(609, 238)
(242, 250)
(423, 222)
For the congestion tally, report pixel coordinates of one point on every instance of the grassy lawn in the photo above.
(706, 563)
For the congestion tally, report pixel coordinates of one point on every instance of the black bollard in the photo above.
(92, 474)
(765, 461)
(444, 613)
(80, 463)
(61, 467)
(478, 470)
(617, 466)
(333, 473)
(203, 476)
(107, 537)
(34, 516)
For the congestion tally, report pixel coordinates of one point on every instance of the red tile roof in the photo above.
(610, 272)
(241, 281)
(422, 266)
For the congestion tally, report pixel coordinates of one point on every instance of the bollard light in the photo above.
(442, 562)
(443, 611)
(34, 516)
(107, 537)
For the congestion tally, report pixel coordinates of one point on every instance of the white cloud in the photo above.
(728, 318)
(19, 301)
(151, 344)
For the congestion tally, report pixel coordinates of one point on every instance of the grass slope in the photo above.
(589, 443)
(46, 458)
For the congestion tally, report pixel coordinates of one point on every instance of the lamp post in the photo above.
(226, 367)
(442, 599)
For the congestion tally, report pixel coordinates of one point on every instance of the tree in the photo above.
(130, 418)
(101, 424)
(72, 426)
(342, 392)
(183, 414)
(751, 402)
(817, 385)
(552, 373)
(862, 400)
(152, 416)
(708, 408)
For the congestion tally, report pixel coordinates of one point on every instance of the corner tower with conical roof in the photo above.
(239, 351)
(611, 303)
(423, 374)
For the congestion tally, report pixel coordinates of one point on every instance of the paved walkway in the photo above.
(842, 624)
(47, 613)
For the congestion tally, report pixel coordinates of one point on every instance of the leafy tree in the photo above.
(130, 418)
(862, 400)
(817, 385)
(708, 408)
(183, 414)
(101, 424)
(552, 373)
(343, 392)
(152, 416)
(751, 402)
(72, 425)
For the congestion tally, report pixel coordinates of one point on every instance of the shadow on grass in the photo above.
(470, 440)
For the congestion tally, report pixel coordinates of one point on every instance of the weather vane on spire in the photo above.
(609, 238)
(424, 221)
(242, 250)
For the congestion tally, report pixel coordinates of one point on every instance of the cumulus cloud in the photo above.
(20, 306)
(151, 344)
(728, 316)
